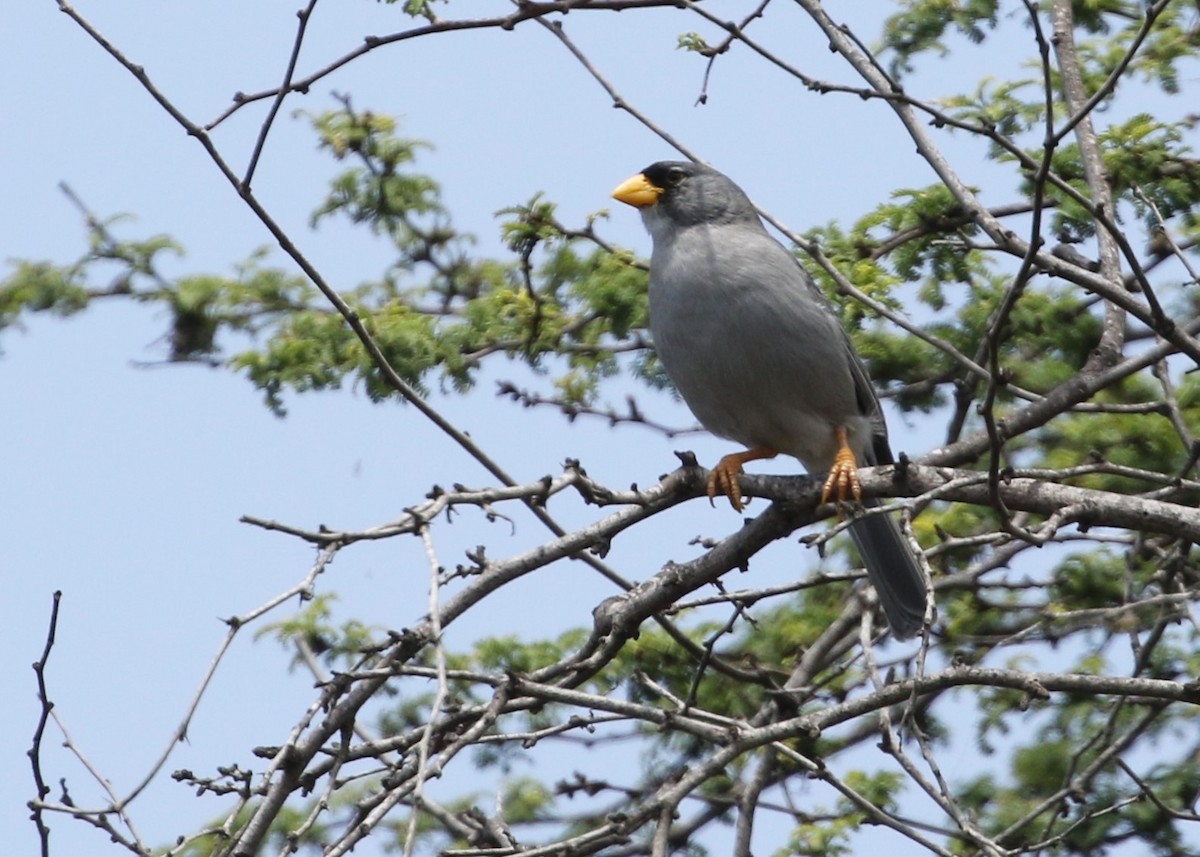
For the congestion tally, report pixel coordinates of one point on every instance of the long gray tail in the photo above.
(893, 571)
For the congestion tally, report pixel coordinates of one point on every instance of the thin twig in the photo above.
(304, 15)
(39, 732)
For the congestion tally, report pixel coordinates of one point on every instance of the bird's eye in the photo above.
(675, 175)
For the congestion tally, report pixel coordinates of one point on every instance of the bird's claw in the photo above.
(723, 479)
(842, 483)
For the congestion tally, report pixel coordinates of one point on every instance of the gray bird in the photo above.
(760, 358)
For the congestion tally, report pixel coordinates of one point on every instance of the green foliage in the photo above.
(826, 837)
(695, 43)
(62, 290)
(923, 25)
(829, 834)
(1066, 757)
(1000, 105)
(921, 236)
(311, 629)
(1147, 162)
(566, 304)
(41, 287)
(508, 654)
(417, 8)
(290, 818)
(1087, 581)
(1172, 41)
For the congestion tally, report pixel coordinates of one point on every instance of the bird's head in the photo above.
(682, 194)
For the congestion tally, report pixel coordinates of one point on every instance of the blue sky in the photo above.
(124, 485)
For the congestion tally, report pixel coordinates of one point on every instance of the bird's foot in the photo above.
(842, 483)
(723, 479)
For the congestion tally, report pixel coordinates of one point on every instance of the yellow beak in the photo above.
(637, 191)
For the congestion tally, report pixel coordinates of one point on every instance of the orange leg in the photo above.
(842, 482)
(724, 477)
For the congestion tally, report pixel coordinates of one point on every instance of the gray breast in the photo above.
(755, 355)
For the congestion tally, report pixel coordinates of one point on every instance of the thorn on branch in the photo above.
(601, 548)
(687, 458)
(900, 470)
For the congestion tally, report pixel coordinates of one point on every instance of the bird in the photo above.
(760, 358)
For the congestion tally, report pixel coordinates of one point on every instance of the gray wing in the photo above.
(879, 451)
(891, 565)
